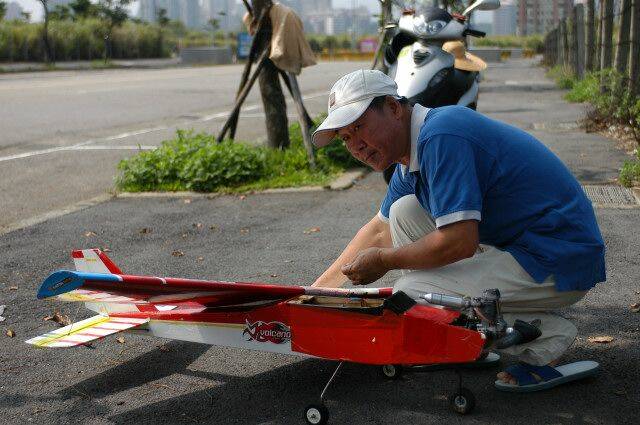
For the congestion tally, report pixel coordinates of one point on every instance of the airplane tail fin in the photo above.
(94, 261)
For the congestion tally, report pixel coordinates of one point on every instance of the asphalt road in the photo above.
(63, 133)
(147, 380)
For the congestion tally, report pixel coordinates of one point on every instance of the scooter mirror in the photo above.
(482, 5)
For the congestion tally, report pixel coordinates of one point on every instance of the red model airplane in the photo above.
(371, 326)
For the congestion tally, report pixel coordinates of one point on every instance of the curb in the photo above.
(343, 182)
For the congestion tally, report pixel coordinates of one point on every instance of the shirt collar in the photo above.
(418, 116)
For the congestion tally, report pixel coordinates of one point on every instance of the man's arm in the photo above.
(443, 246)
(373, 234)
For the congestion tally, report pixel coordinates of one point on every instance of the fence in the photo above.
(584, 42)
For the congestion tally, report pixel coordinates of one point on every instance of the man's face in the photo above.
(373, 138)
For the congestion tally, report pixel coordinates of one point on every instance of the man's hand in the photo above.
(366, 267)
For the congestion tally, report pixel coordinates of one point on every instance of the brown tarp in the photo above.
(290, 50)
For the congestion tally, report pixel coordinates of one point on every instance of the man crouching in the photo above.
(473, 204)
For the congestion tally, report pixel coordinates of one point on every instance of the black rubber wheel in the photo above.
(463, 401)
(316, 414)
(391, 371)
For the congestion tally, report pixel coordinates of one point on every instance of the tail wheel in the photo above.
(462, 401)
(391, 371)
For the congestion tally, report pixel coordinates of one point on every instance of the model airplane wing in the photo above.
(85, 331)
(99, 280)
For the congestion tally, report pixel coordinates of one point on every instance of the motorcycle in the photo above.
(414, 56)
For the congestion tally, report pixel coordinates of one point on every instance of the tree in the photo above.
(48, 52)
(114, 14)
(83, 9)
(60, 13)
(3, 10)
(214, 24)
(163, 21)
(26, 16)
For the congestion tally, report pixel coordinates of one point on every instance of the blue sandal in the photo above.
(547, 376)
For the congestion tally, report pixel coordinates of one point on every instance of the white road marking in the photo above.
(83, 145)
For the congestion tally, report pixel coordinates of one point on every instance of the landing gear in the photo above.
(316, 414)
(391, 371)
(462, 401)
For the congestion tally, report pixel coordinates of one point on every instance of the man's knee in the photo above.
(401, 209)
(407, 216)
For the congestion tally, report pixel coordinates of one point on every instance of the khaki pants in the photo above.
(522, 298)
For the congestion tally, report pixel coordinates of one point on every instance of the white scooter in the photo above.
(414, 58)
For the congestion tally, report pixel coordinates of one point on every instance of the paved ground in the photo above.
(148, 381)
(65, 131)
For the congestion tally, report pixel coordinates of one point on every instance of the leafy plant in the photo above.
(197, 162)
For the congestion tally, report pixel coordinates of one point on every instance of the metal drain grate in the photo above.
(611, 196)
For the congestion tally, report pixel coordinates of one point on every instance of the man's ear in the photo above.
(394, 106)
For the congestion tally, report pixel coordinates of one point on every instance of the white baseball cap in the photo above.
(349, 98)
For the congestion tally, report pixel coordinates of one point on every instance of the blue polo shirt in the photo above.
(467, 166)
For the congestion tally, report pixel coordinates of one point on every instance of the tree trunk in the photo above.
(275, 107)
(48, 53)
(606, 26)
(622, 50)
(590, 36)
(578, 27)
(634, 63)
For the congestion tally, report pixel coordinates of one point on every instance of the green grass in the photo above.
(197, 162)
(530, 42)
(562, 76)
(630, 173)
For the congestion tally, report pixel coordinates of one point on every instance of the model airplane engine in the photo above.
(484, 315)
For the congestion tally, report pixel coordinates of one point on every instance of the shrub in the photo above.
(222, 164)
(563, 76)
(197, 162)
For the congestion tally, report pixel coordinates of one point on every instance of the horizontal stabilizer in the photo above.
(85, 331)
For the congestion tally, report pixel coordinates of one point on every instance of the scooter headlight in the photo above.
(427, 28)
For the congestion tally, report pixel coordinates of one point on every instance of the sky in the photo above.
(35, 7)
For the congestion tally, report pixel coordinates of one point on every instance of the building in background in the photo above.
(191, 14)
(318, 16)
(539, 16)
(505, 19)
(14, 11)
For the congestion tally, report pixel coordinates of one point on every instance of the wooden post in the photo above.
(573, 41)
(560, 44)
(253, 53)
(306, 134)
(624, 33)
(634, 62)
(385, 11)
(590, 37)
(243, 94)
(565, 43)
(580, 42)
(606, 31)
